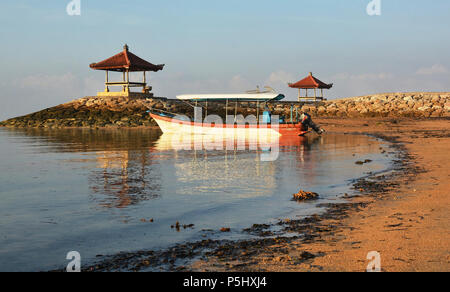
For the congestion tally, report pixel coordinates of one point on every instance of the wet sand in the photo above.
(403, 216)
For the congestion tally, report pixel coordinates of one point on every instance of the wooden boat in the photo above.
(170, 124)
(263, 125)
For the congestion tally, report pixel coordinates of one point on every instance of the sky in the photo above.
(212, 46)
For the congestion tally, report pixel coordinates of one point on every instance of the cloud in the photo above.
(277, 80)
(346, 85)
(239, 83)
(172, 84)
(280, 78)
(92, 85)
(43, 82)
(176, 83)
(38, 91)
(435, 69)
(67, 85)
(364, 76)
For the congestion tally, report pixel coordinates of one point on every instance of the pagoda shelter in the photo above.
(126, 62)
(310, 82)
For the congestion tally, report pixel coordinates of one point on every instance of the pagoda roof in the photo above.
(310, 82)
(126, 61)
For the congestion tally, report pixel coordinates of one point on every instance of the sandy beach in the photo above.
(407, 223)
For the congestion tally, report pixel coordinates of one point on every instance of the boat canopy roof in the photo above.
(266, 96)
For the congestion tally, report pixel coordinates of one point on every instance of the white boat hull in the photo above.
(175, 126)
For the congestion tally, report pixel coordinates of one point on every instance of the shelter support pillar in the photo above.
(123, 87)
(106, 83)
(144, 81)
(128, 81)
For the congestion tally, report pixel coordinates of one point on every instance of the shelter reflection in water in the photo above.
(124, 178)
(122, 172)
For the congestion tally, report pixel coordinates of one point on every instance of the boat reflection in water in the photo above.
(267, 145)
(233, 145)
(231, 166)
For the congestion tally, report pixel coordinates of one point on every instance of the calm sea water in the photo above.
(88, 190)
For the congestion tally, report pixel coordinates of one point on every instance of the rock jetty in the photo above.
(95, 112)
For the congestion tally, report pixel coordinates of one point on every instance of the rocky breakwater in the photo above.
(419, 105)
(96, 112)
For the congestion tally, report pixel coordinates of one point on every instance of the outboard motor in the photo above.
(306, 120)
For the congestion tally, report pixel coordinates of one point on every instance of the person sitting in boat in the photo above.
(306, 120)
(267, 116)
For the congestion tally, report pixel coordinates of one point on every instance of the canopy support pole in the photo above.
(257, 112)
(292, 113)
(226, 109)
